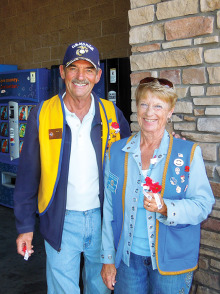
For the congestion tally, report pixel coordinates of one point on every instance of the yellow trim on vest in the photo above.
(166, 164)
(125, 177)
(124, 185)
(192, 152)
(50, 118)
(162, 194)
(109, 134)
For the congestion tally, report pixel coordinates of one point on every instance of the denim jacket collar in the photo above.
(133, 146)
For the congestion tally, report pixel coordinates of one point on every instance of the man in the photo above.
(62, 164)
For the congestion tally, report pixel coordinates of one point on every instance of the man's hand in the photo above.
(178, 136)
(25, 240)
(108, 274)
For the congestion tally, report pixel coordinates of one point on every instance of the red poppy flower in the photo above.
(186, 168)
(156, 188)
(152, 186)
(115, 125)
(148, 181)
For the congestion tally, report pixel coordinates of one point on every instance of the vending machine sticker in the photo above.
(4, 145)
(33, 77)
(30, 107)
(112, 75)
(22, 128)
(4, 129)
(4, 112)
(22, 112)
(112, 96)
(21, 145)
(12, 141)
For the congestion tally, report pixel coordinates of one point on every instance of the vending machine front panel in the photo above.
(20, 91)
(25, 85)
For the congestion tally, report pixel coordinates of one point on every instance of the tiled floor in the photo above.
(18, 276)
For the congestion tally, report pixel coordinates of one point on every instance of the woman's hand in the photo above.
(151, 205)
(108, 274)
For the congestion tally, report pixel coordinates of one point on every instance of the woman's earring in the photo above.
(169, 120)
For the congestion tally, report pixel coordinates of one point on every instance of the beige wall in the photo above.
(179, 40)
(35, 33)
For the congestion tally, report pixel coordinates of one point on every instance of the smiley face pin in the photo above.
(178, 162)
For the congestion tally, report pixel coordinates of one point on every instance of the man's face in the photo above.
(80, 78)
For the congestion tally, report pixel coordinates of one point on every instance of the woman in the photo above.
(152, 237)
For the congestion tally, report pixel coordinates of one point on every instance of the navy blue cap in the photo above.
(82, 51)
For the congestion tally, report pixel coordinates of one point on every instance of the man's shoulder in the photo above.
(106, 102)
(51, 99)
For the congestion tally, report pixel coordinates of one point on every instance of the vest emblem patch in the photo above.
(112, 182)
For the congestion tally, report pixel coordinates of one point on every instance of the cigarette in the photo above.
(26, 255)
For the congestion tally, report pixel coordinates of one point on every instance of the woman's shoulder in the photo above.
(120, 143)
(185, 143)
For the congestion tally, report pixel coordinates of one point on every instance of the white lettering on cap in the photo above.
(83, 44)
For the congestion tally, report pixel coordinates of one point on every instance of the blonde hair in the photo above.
(163, 92)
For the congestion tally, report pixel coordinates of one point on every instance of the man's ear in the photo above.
(62, 71)
(98, 76)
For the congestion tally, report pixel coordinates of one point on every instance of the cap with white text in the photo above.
(82, 51)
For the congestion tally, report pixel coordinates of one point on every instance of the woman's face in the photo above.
(152, 114)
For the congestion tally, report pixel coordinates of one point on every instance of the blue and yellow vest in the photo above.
(169, 239)
(51, 126)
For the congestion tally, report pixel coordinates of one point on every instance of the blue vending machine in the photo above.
(20, 91)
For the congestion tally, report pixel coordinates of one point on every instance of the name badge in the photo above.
(55, 134)
(112, 182)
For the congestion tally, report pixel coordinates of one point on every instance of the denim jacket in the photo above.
(181, 212)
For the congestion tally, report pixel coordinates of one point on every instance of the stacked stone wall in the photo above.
(179, 40)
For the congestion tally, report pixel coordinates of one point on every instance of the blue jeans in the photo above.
(140, 278)
(81, 233)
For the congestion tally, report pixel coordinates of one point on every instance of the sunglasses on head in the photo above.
(163, 82)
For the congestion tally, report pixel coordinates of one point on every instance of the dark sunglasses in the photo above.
(163, 82)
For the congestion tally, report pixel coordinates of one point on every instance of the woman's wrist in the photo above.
(163, 210)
